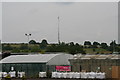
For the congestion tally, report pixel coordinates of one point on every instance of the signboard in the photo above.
(63, 68)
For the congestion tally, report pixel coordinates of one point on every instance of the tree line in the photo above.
(71, 47)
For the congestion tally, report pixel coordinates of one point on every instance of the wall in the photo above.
(30, 69)
(96, 65)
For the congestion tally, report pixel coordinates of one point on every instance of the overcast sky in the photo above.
(79, 21)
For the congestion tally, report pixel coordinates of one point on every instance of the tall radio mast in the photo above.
(58, 31)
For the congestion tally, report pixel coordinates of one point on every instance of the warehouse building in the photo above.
(110, 64)
(33, 64)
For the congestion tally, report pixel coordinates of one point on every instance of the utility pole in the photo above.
(113, 46)
(28, 35)
(58, 30)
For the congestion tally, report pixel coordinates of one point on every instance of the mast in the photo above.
(58, 31)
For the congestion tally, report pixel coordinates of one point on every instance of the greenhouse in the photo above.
(33, 64)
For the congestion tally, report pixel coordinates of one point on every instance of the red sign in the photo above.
(63, 68)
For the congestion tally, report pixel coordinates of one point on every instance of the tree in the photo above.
(32, 42)
(94, 50)
(87, 43)
(113, 46)
(35, 48)
(104, 45)
(6, 47)
(77, 44)
(95, 44)
(53, 48)
(113, 43)
(23, 46)
(43, 44)
(71, 43)
(75, 48)
(15, 50)
(69, 48)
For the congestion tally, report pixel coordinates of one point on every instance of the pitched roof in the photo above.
(111, 56)
(43, 58)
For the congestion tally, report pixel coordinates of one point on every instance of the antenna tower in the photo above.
(58, 31)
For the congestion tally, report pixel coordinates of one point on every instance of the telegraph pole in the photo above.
(28, 35)
(113, 46)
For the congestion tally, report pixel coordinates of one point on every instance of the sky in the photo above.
(0, 21)
(79, 21)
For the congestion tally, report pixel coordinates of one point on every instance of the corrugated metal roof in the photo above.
(103, 57)
(116, 57)
(49, 59)
(111, 56)
(40, 58)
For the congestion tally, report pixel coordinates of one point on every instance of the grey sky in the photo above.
(93, 21)
(0, 21)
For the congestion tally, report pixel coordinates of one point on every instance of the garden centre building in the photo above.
(33, 64)
(110, 64)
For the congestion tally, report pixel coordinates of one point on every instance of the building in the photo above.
(110, 64)
(33, 64)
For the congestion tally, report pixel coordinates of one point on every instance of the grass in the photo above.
(96, 50)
